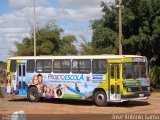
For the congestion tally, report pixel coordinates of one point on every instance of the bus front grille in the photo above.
(137, 89)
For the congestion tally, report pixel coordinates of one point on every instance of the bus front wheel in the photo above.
(33, 94)
(100, 98)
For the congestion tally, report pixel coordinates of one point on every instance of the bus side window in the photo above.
(84, 66)
(112, 72)
(39, 65)
(81, 66)
(75, 66)
(13, 66)
(66, 66)
(44, 66)
(56, 66)
(99, 66)
(61, 66)
(30, 66)
(47, 66)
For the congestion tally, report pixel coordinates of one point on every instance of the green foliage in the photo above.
(2, 72)
(141, 31)
(145, 31)
(48, 42)
(154, 73)
(67, 47)
(87, 49)
(104, 39)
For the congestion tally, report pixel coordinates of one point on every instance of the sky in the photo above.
(73, 16)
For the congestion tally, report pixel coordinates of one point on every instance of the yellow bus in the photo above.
(101, 78)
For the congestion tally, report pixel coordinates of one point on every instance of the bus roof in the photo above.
(75, 57)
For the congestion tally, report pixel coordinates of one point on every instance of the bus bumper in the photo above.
(137, 96)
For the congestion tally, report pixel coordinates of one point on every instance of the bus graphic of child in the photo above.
(14, 85)
(8, 83)
(47, 95)
(37, 80)
(51, 91)
(34, 81)
(44, 90)
(59, 91)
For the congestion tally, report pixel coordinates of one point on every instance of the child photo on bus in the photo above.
(51, 91)
(47, 95)
(14, 85)
(40, 81)
(59, 91)
(34, 81)
(44, 90)
(8, 82)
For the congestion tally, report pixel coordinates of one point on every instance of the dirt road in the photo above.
(72, 107)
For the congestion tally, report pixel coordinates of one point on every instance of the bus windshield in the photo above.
(134, 70)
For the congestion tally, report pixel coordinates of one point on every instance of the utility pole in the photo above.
(120, 26)
(34, 26)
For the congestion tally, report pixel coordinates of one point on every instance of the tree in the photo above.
(105, 36)
(67, 47)
(141, 32)
(2, 72)
(87, 49)
(48, 42)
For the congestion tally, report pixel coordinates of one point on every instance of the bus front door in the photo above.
(114, 82)
(22, 86)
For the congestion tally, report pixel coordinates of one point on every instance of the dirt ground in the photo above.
(64, 108)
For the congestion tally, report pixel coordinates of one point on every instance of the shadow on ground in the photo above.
(130, 104)
(82, 102)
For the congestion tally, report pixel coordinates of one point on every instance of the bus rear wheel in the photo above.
(100, 98)
(33, 94)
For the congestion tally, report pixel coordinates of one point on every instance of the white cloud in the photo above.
(16, 4)
(82, 3)
(12, 30)
(17, 24)
(85, 14)
(13, 27)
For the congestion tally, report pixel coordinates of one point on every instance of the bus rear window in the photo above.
(13, 66)
(99, 66)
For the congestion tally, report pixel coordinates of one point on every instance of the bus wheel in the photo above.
(33, 94)
(100, 98)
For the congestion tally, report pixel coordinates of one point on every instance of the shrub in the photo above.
(154, 74)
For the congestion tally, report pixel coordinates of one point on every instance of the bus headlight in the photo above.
(129, 89)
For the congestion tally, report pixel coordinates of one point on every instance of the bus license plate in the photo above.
(141, 95)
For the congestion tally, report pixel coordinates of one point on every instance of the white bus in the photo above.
(101, 78)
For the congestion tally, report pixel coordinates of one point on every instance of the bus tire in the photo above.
(33, 95)
(100, 98)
